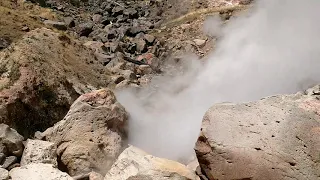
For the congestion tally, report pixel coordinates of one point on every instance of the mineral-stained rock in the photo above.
(37, 151)
(92, 134)
(38, 171)
(274, 138)
(41, 76)
(10, 141)
(135, 164)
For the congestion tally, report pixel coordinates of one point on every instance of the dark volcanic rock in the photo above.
(58, 25)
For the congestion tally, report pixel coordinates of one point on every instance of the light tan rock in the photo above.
(274, 138)
(92, 134)
(37, 151)
(4, 174)
(38, 171)
(134, 164)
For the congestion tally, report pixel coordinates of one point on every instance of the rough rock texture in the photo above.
(37, 151)
(4, 174)
(38, 171)
(10, 141)
(134, 164)
(274, 138)
(92, 134)
(41, 76)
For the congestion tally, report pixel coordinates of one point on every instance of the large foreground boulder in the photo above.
(38, 171)
(274, 138)
(92, 134)
(41, 76)
(135, 164)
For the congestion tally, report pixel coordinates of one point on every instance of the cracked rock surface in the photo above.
(274, 138)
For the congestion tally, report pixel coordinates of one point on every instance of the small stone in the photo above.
(9, 161)
(95, 176)
(141, 45)
(69, 22)
(58, 25)
(131, 13)
(111, 47)
(118, 10)
(103, 58)
(144, 69)
(199, 42)
(118, 79)
(129, 75)
(85, 29)
(25, 28)
(4, 174)
(149, 38)
(4, 43)
(97, 18)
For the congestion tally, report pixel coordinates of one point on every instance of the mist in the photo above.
(272, 49)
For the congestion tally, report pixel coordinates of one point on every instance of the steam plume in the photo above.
(274, 49)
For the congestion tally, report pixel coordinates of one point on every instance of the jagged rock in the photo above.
(10, 141)
(97, 18)
(42, 75)
(58, 25)
(199, 42)
(92, 134)
(4, 43)
(38, 171)
(37, 151)
(144, 69)
(4, 174)
(85, 29)
(69, 22)
(149, 38)
(10, 160)
(274, 138)
(131, 13)
(129, 75)
(134, 163)
(141, 45)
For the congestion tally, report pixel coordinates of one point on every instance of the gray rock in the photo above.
(92, 134)
(4, 43)
(134, 163)
(129, 75)
(69, 21)
(85, 29)
(37, 151)
(38, 172)
(149, 39)
(131, 13)
(9, 161)
(274, 138)
(4, 174)
(97, 18)
(11, 139)
(2, 157)
(141, 45)
(58, 25)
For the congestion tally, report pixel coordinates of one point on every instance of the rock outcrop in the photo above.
(274, 138)
(41, 76)
(92, 134)
(134, 164)
(37, 171)
(37, 151)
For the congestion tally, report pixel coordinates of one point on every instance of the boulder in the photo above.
(274, 138)
(37, 151)
(58, 25)
(38, 171)
(4, 174)
(41, 76)
(10, 141)
(92, 134)
(9, 161)
(134, 164)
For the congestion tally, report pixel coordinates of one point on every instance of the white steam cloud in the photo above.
(274, 49)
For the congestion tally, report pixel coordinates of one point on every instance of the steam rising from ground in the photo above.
(274, 49)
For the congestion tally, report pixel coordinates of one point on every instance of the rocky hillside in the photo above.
(62, 60)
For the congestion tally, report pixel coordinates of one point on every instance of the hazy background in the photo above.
(273, 49)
